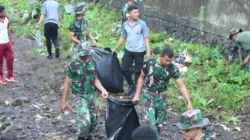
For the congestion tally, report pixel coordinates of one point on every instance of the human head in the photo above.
(166, 56)
(80, 10)
(191, 123)
(144, 132)
(83, 50)
(234, 32)
(133, 12)
(2, 11)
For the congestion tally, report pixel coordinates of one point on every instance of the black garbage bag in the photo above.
(121, 120)
(108, 69)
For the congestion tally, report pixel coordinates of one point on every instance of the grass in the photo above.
(210, 89)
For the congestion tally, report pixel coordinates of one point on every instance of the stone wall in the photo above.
(180, 18)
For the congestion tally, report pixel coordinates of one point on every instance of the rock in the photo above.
(242, 118)
(55, 121)
(10, 113)
(1, 112)
(9, 136)
(22, 137)
(30, 127)
(18, 127)
(209, 129)
(17, 102)
(46, 108)
(72, 130)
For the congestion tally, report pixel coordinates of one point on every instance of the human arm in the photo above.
(146, 39)
(66, 87)
(93, 40)
(99, 86)
(120, 42)
(10, 36)
(139, 87)
(121, 39)
(148, 54)
(246, 60)
(184, 92)
(60, 19)
(39, 22)
(72, 38)
(60, 16)
(43, 13)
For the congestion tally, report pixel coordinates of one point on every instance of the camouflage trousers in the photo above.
(154, 109)
(86, 119)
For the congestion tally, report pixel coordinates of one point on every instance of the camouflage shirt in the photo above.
(158, 76)
(80, 29)
(243, 41)
(82, 75)
(125, 15)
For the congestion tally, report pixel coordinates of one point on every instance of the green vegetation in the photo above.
(210, 89)
(202, 17)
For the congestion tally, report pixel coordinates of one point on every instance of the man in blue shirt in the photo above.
(135, 32)
(51, 10)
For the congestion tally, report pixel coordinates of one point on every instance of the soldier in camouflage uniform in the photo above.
(191, 123)
(79, 30)
(154, 79)
(242, 40)
(81, 75)
(125, 15)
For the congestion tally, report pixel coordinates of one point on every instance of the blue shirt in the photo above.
(51, 10)
(135, 35)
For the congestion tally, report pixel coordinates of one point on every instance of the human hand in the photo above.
(135, 99)
(105, 94)
(246, 60)
(12, 41)
(37, 27)
(190, 107)
(63, 107)
(114, 50)
(148, 55)
(226, 70)
(96, 44)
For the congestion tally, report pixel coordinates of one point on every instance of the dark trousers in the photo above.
(51, 33)
(127, 61)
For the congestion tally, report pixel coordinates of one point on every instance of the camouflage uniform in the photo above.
(242, 41)
(80, 29)
(193, 119)
(125, 10)
(125, 15)
(154, 91)
(83, 75)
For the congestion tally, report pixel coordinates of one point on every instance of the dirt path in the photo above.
(30, 109)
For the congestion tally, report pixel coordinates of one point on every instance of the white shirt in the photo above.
(4, 37)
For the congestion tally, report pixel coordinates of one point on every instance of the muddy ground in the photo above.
(31, 109)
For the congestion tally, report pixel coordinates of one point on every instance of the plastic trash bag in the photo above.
(108, 69)
(121, 120)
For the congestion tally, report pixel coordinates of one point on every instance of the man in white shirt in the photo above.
(6, 52)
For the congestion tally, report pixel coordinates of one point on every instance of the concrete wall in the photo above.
(220, 15)
(181, 18)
